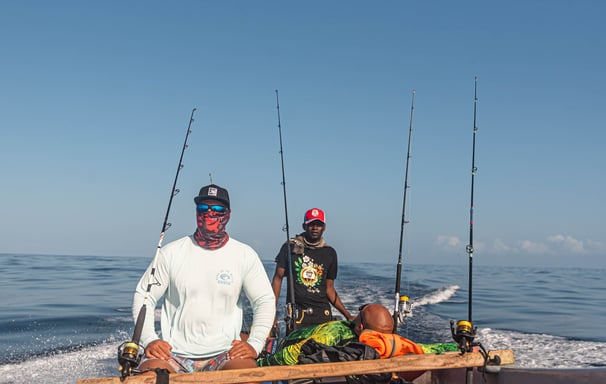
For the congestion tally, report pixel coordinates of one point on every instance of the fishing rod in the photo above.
(402, 307)
(466, 328)
(130, 352)
(291, 314)
(465, 333)
(469, 247)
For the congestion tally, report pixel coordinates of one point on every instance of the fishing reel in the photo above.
(301, 312)
(404, 308)
(129, 357)
(289, 318)
(294, 315)
(464, 335)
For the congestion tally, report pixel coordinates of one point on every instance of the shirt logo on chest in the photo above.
(309, 273)
(224, 278)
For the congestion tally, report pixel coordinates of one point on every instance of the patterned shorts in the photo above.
(186, 365)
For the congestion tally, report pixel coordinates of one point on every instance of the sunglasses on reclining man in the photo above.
(361, 314)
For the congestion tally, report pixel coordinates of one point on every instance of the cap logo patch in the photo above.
(315, 213)
(212, 191)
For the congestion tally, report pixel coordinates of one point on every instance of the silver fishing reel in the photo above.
(404, 308)
(129, 357)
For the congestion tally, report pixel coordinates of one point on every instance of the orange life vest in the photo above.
(389, 344)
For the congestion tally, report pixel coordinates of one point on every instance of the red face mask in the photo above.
(211, 229)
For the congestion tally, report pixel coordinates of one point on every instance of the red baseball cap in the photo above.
(313, 215)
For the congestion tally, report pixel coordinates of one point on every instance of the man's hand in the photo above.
(158, 349)
(241, 350)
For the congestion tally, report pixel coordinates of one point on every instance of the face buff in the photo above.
(211, 229)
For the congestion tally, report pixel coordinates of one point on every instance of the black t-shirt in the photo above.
(311, 269)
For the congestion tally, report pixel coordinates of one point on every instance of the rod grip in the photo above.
(139, 324)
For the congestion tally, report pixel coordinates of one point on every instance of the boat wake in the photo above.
(544, 351)
(439, 296)
(92, 361)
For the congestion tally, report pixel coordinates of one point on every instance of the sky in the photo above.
(96, 96)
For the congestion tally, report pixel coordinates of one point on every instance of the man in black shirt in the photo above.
(314, 267)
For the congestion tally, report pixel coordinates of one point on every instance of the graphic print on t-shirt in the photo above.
(309, 273)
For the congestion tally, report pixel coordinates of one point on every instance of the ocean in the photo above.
(63, 317)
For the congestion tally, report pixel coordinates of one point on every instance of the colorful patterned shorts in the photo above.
(186, 365)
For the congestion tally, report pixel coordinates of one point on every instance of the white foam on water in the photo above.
(439, 296)
(544, 351)
(66, 367)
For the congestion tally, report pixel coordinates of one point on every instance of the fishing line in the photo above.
(291, 314)
(130, 353)
(402, 306)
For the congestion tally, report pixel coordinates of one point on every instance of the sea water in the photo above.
(63, 317)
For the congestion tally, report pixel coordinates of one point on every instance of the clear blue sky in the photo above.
(95, 98)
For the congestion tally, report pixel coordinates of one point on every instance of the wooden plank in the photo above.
(395, 364)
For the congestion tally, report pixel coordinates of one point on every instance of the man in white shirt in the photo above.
(200, 278)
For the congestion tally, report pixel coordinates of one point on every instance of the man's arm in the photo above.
(335, 300)
(260, 295)
(276, 286)
(276, 281)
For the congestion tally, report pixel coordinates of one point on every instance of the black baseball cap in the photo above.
(213, 192)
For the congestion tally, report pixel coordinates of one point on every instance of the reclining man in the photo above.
(373, 326)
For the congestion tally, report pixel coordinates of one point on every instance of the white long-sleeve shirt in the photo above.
(202, 310)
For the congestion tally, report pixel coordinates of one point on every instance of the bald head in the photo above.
(377, 318)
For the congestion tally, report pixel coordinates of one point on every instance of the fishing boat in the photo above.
(449, 367)
(334, 372)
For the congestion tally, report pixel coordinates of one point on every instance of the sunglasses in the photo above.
(201, 208)
(361, 314)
